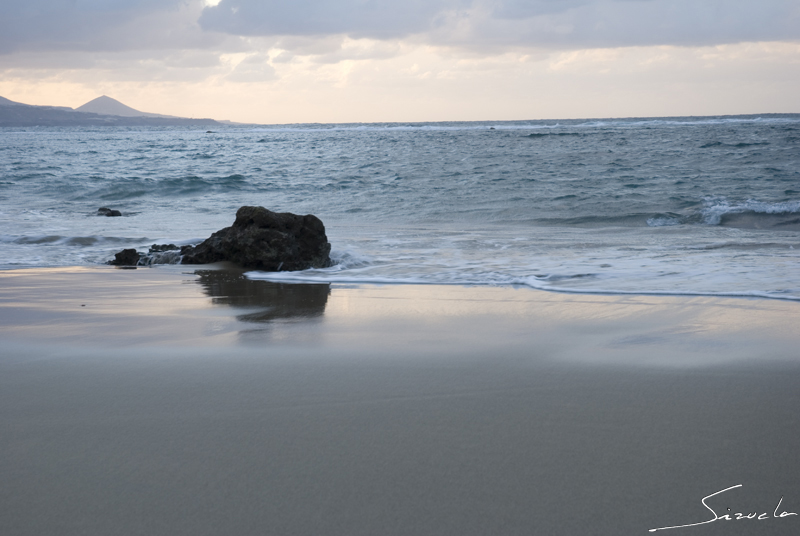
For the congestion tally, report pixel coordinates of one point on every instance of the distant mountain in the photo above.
(102, 111)
(5, 102)
(108, 106)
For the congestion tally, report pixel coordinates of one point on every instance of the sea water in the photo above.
(694, 206)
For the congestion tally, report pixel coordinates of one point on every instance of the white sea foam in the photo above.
(606, 264)
(532, 282)
(522, 125)
(663, 222)
(715, 208)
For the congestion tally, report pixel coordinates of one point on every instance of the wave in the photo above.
(693, 121)
(542, 282)
(160, 257)
(529, 125)
(137, 187)
(750, 214)
(77, 241)
(626, 278)
(742, 246)
(557, 134)
(664, 220)
(756, 220)
(636, 219)
(739, 294)
(740, 145)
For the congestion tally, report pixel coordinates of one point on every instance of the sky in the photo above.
(326, 61)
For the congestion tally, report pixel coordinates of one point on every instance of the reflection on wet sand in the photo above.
(266, 301)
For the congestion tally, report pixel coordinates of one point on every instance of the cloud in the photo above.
(343, 60)
(475, 24)
(524, 9)
(253, 68)
(102, 25)
(301, 26)
(377, 19)
(623, 23)
(127, 66)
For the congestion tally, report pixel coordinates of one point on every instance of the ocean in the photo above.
(674, 206)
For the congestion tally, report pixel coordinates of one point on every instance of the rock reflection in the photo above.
(272, 301)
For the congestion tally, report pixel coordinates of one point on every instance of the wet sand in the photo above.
(163, 401)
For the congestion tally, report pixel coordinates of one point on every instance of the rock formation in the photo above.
(105, 211)
(260, 239)
(126, 257)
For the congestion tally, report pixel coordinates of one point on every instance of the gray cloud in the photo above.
(503, 23)
(614, 23)
(254, 68)
(380, 19)
(124, 66)
(101, 25)
(523, 9)
(158, 28)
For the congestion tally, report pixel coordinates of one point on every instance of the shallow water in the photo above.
(674, 206)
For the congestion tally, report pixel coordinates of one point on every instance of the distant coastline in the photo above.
(15, 114)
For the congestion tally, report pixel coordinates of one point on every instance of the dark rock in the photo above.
(126, 257)
(260, 239)
(158, 254)
(105, 211)
(158, 248)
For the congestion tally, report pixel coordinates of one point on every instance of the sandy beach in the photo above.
(170, 401)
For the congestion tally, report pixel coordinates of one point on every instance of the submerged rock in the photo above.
(260, 239)
(126, 257)
(105, 211)
(161, 254)
(159, 248)
(158, 254)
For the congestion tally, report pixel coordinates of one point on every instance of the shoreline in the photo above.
(163, 401)
(219, 305)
